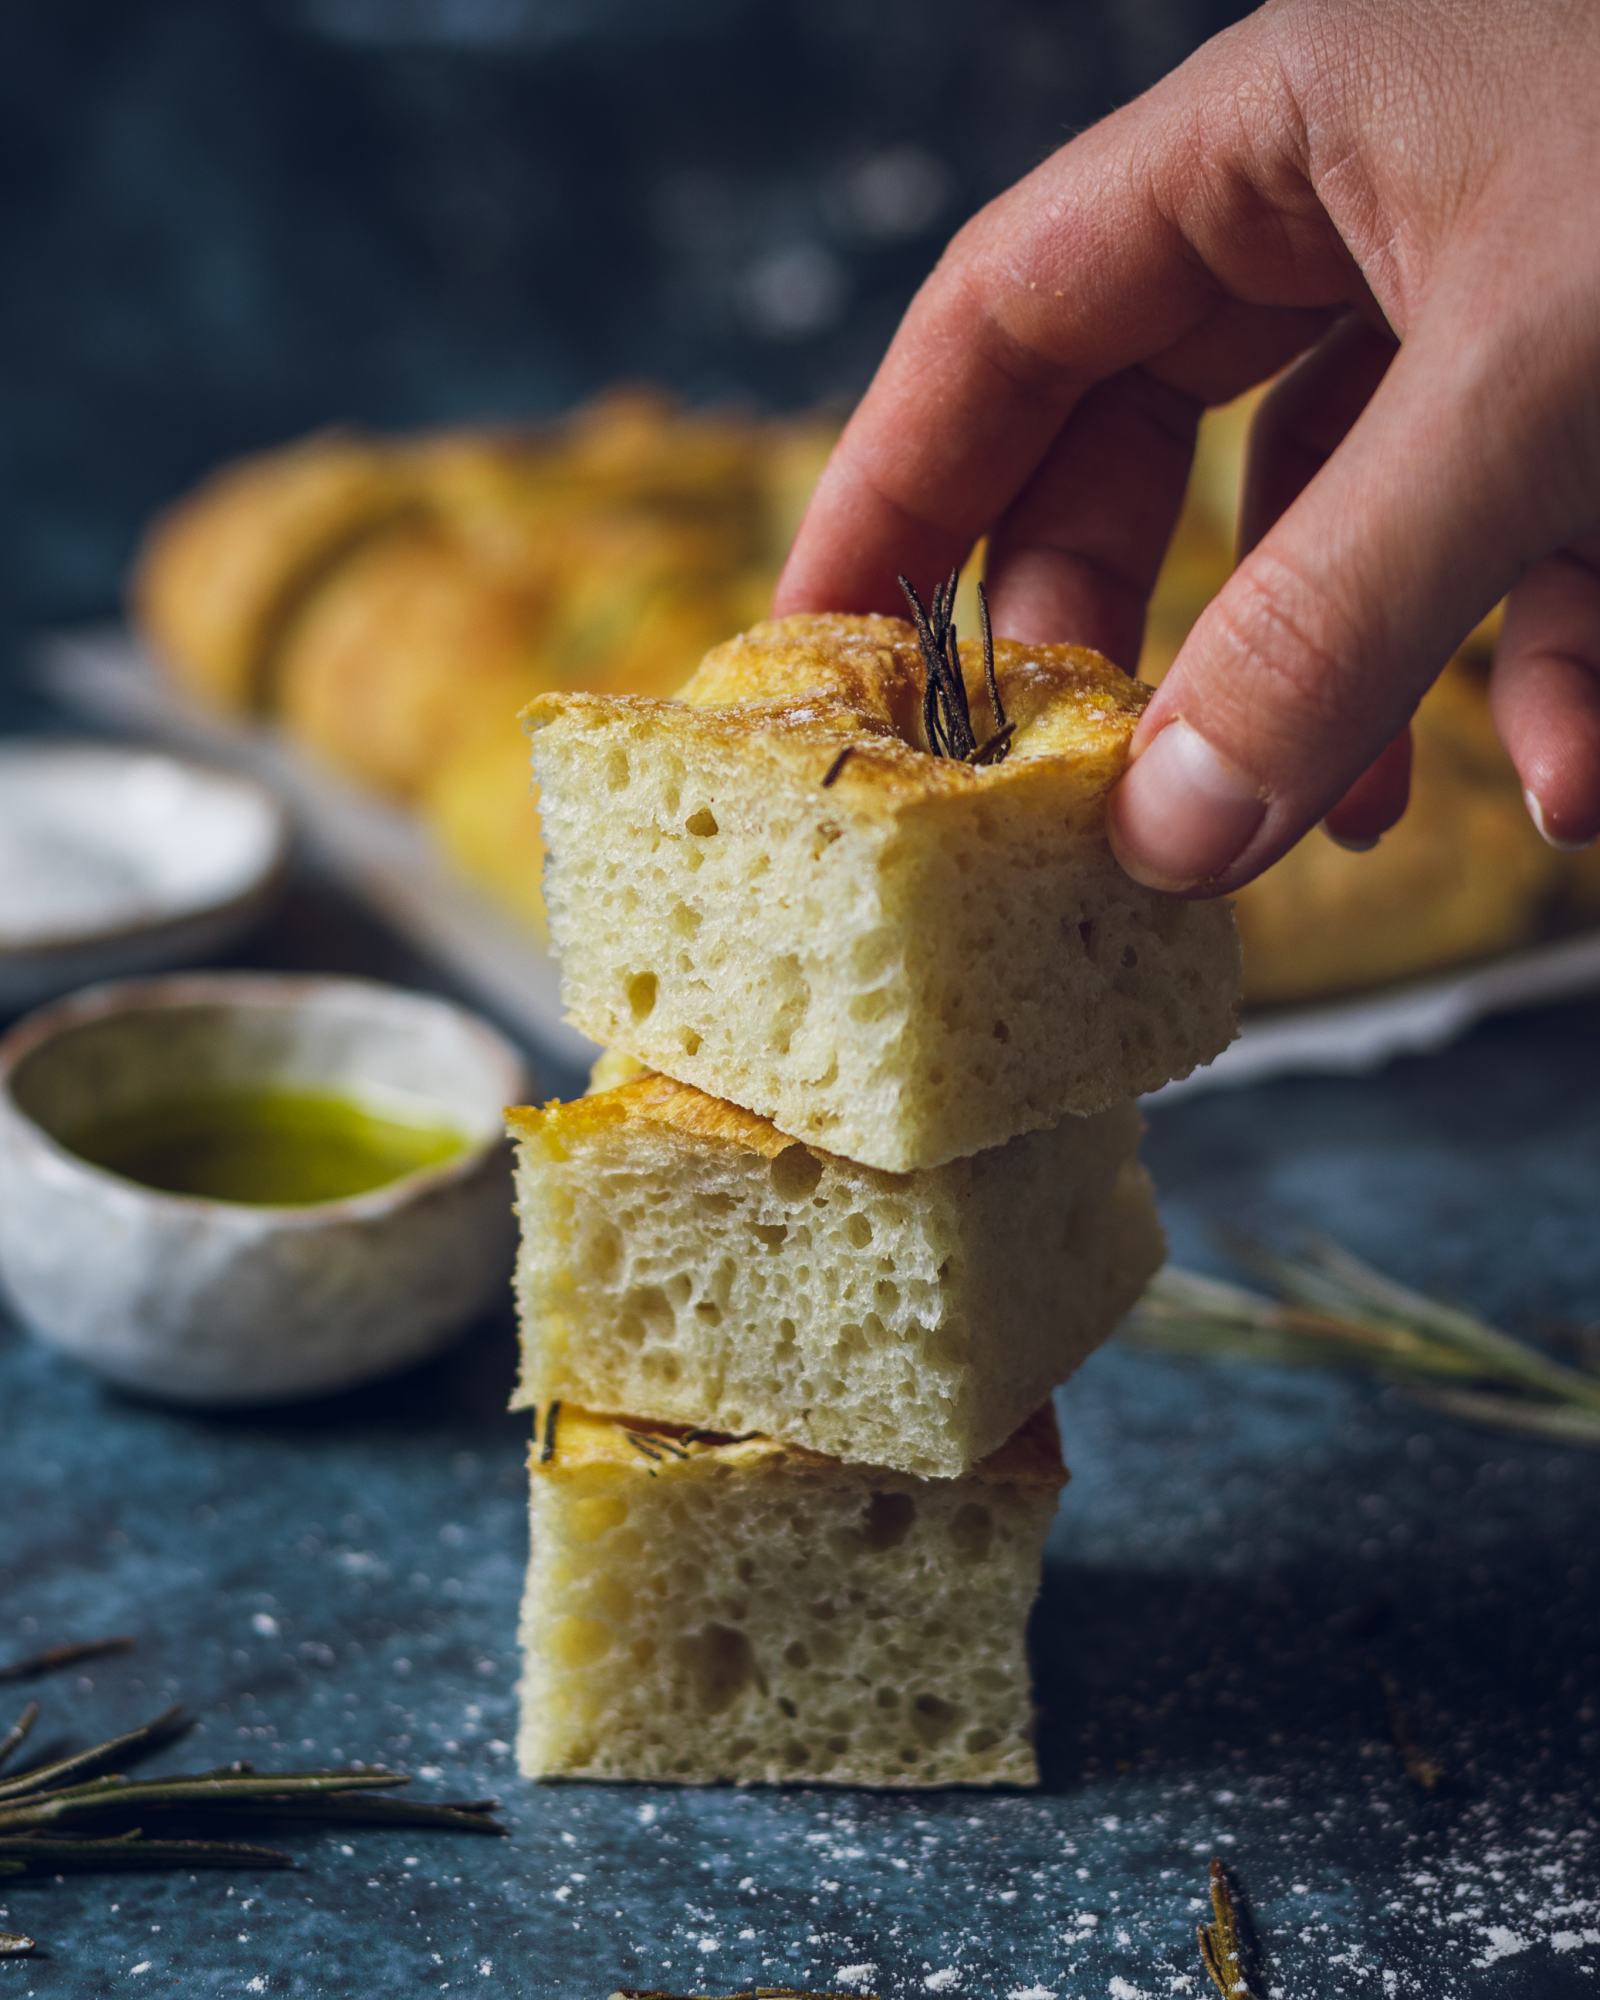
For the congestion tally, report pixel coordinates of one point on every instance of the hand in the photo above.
(1405, 195)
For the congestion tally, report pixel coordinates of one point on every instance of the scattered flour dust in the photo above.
(1514, 1878)
(1500, 1942)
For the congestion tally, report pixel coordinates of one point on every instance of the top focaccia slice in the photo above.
(901, 957)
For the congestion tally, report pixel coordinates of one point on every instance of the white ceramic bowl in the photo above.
(116, 859)
(213, 1302)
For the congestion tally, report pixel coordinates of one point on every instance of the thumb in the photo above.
(1312, 657)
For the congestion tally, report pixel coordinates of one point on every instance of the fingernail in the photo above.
(1555, 840)
(1350, 846)
(1183, 813)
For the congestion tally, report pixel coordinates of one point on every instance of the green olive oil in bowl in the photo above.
(230, 1188)
(276, 1147)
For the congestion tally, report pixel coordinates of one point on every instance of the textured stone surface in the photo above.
(245, 221)
(1240, 1552)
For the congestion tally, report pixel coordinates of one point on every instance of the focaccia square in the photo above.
(707, 1610)
(686, 1261)
(901, 957)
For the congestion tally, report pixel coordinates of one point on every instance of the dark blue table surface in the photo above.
(239, 222)
(1241, 1555)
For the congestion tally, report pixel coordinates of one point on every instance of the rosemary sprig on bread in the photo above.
(946, 710)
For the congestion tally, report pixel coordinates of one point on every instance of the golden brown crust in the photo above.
(805, 688)
(574, 1440)
(656, 1100)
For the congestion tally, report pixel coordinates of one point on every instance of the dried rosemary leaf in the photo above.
(117, 1797)
(1222, 1949)
(364, 1809)
(547, 1449)
(57, 1854)
(126, 1749)
(946, 711)
(18, 1733)
(1554, 1421)
(56, 1659)
(73, 1815)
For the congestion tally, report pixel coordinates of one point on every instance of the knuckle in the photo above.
(984, 290)
(1010, 342)
(915, 517)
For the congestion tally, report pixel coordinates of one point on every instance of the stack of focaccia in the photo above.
(859, 1187)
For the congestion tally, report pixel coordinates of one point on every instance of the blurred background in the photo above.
(529, 324)
(228, 225)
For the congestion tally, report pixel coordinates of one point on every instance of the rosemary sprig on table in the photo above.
(33, 1666)
(1224, 1950)
(82, 1812)
(1328, 1307)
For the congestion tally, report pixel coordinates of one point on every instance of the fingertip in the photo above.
(1544, 693)
(1351, 843)
(1183, 813)
(1564, 843)
(1375, 802)
(1547, 711)
(1558, 761)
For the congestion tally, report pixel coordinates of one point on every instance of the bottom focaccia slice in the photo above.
(684, 1260)
(703, 1609)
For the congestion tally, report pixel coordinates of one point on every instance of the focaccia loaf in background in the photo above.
(221, 574)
